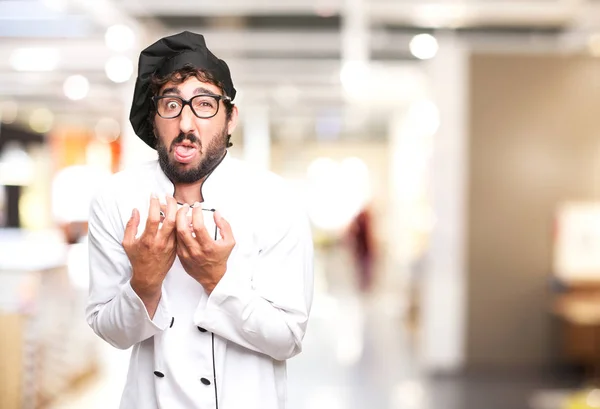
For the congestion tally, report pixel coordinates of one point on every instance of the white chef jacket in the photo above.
(256, 316)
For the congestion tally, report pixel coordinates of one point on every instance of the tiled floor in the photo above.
(357, 355)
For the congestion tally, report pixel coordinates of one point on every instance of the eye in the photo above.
(204, 103)
(172, 105)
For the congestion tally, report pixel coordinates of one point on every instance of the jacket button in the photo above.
(172, 322)
(201, 329)
(205, 381)
(159, 374)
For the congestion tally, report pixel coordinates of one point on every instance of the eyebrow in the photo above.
(171, 90)
(202, 90)
(175, 90)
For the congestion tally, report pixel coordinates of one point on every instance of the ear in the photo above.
(233, 121)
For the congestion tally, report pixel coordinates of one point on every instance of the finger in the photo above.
(184, 235)
(131, 228)
(153, 217)
(188, 219)
(181, 217)
(182, 250)
(224, 227)
(202, 235)
(170, 217)
(163, 212)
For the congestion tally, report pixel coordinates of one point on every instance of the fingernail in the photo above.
(154, 195)
(132, 212)
(196, 204)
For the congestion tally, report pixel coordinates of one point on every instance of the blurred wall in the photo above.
(534, 142)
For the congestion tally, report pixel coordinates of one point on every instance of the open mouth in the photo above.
(185, 152)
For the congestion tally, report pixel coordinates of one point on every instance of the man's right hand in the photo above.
(153, 253)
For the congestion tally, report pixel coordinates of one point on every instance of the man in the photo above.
(214, 294)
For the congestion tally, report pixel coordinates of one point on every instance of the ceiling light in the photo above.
(34, 59)
(424, 46)
(16, 166)
(119, 37)
(41, 120)
(119, 68)
(76, 87)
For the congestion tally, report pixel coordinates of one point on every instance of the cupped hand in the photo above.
(203, 257)
(153, 253)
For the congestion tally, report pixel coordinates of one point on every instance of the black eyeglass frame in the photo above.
(185, 102)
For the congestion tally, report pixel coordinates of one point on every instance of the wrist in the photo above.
(209, 284)
(149, 296)
(145, 290)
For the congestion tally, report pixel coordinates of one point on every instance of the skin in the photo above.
(153, 253)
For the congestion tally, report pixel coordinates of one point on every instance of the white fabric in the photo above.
(258, 311)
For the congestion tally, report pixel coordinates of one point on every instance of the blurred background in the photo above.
(448, 153)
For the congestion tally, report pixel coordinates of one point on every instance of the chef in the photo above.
(200, 262)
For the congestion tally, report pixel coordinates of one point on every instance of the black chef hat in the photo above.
(163, 57)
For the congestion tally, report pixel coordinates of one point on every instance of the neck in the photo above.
(189, 193)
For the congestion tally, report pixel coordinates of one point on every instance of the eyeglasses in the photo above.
(203, 105)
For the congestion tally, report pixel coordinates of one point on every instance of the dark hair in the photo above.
(179, 77)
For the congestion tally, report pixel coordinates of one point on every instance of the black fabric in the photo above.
(163, 57)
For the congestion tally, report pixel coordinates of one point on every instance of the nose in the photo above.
(186, 120)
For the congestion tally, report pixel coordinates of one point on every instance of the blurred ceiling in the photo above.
(285, 55)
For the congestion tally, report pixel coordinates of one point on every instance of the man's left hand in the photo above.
(203, 257)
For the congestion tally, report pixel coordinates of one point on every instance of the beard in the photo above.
(213, 154)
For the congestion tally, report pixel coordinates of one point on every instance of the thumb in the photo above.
(131, 228)
(224, 226)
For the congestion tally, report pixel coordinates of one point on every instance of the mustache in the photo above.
(182, 137)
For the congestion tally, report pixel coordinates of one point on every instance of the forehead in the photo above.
(191, 86)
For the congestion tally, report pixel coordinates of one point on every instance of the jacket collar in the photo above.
(210, 188)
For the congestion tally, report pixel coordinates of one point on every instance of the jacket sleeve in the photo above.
(114, 311)
(264, 305)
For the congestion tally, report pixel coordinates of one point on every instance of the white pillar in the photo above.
(355, 31)
(444, 284)
(257, 138)
(408, 161)
(355, 74)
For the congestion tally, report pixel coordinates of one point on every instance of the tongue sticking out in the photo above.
(185, 154)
